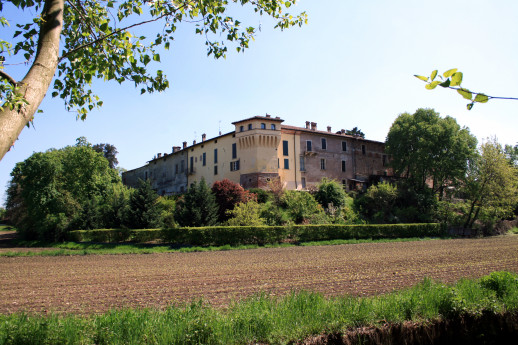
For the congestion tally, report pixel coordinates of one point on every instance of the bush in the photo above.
(197, 207)
(330, 192)
(500, 282)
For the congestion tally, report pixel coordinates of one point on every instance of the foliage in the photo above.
(274, 215)
(355, 132)
(115, 206)
(378, 202)
(511, 153)
(330, 193)
(167, 207)
(276, 188)
(144, 210)
(246, 214)
(427, 149)
(228, 194)
(197, 207)
(100, 40)
(302, 207)
(263, 196)
(109, 152)
(55, 191)
(452, 79)
(491, 186)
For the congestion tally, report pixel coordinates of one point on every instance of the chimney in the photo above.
(159, 155)
(185, 144)
(307, 124)
(343, 131)
(194, 142)
(165, 154)
(313, 126)
(268, 115)
(176, 149)
(203, 137)
(277, 118)
(329, 129)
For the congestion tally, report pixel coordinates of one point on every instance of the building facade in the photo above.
(261, 149)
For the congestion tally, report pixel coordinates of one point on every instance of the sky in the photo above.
(352, 65)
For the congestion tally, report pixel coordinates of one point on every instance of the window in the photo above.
(302, 163)
(384, 160)
(286, 163)
(285, 147)
(176, 168)
(234, 151)
(363, 149)
(204, 159)
(303, 180)
(272, 126)
(234, 166)
(309, 146)
(182, 166)
(241, 128)
(192, 164)
(324, 144)
(344, 146)
(215, 170)
(249, 126)
(215, 156)
(343, 166)
(263, 125)
(145, 178)
(322, 164)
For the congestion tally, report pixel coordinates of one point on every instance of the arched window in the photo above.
(273, 126)
(263, 126)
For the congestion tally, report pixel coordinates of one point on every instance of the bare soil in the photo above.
(97, 283)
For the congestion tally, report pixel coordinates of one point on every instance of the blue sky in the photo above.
(351, 66)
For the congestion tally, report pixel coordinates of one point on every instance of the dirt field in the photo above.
(96, 283)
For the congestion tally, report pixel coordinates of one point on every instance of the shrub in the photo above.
(330, 192)
(246, 214)
(228, 194)
(197, 207)
(302, 206)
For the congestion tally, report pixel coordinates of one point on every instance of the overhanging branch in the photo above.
(8, 77)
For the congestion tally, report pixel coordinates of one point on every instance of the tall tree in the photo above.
(97, 42)
(144, 211)
(491, 185)
(429, 150)
(109, 152)
(355, 132)
(58, 190)
(198, 206)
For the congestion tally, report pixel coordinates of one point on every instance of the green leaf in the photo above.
(465, 93)
(287, 4)
(445, 83)
(456, 79)
(432, 85)
(449, 73)
(421, 77)
(434, 74)
(481, 98)
(469, 106)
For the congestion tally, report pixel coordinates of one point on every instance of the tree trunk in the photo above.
(35, 84)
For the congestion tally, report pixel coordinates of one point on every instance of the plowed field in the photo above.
(96, 283)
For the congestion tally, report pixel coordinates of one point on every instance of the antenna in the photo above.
(219, 127)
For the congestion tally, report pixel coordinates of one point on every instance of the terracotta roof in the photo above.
(309, 130)
(278, 119)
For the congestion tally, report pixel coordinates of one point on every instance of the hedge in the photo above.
(237, 235)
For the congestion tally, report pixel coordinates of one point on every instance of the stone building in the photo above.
(260, 149)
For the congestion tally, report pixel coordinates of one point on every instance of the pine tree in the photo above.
(144, 212)
(198, 206)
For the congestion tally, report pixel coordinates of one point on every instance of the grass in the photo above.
(513, 231)
(75, 248)
(4, 227)
(266, 319)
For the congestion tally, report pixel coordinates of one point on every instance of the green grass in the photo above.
(513, 231)
(266, 319)
(4, 227)
(75, 248)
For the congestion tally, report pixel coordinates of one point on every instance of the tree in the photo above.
(355, 132)
(55, 191)
(491, 185)
(246, 214)
(511, 153)
(228, 194)
(427, 149)
(144, 211)
(98, 43)
(302, 207)
(330, 192)
(198, 206)
(452, 79)
(109, 152)
(378, 202)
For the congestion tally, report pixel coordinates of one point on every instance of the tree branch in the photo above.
(8, 77)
